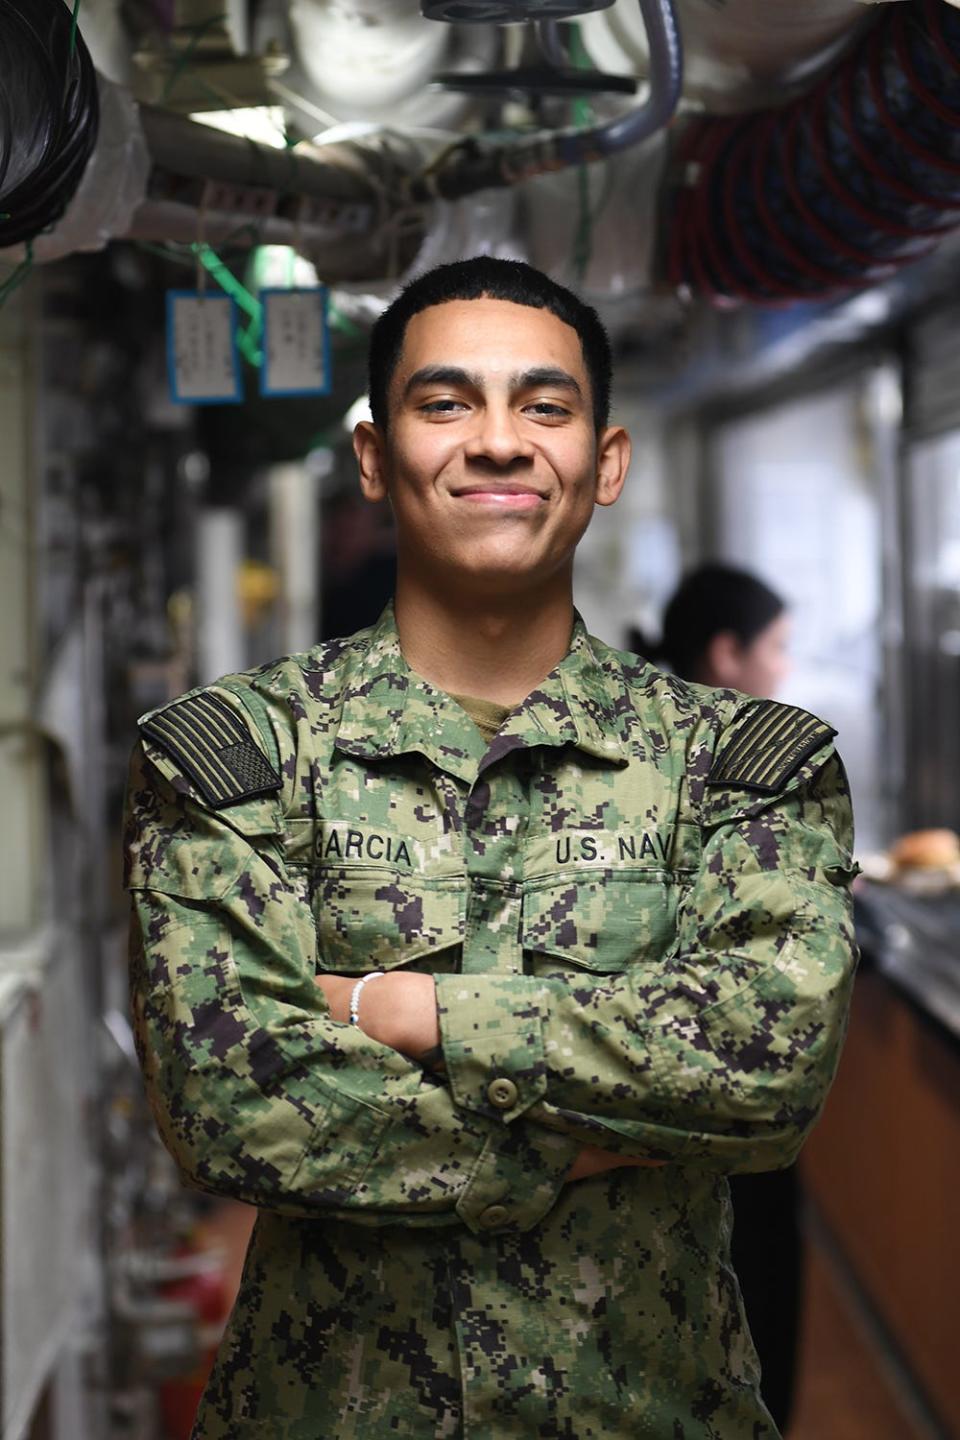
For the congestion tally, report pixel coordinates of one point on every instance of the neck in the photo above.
(496, 648)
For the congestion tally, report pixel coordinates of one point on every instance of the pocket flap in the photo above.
(375, 919)
(605, 921)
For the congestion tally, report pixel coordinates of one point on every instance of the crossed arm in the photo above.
(719, 1056)
(400, 1010)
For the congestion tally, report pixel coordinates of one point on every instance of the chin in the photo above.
(478, 560)
(497, 575)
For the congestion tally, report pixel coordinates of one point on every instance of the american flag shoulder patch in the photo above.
(215, 748)
(767, 746)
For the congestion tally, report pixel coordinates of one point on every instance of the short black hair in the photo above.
(484, 277)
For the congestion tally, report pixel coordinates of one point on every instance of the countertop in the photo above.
(914, 940)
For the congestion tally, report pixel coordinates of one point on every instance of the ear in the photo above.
(613, 461)
(724, 660)
(369, 446)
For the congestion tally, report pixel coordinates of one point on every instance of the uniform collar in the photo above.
(390, 710)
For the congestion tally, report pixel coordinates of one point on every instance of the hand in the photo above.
(594, 1161)
(398, 1009)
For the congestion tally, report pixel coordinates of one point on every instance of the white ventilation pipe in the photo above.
(220, 641)
(738, 56)
(373, 59)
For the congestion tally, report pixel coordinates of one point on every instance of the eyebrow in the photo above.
(548, 376)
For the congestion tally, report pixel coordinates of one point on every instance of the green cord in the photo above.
(582, 117)
(227, 281)
(248, 336)
(73, 26)
(14, 281)
(198, 33)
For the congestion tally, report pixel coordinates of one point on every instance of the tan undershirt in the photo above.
(487, 715)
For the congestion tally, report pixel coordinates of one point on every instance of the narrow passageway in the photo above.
(569, 392)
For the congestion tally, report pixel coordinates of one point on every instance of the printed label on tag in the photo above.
(296, 342)
(202, 359)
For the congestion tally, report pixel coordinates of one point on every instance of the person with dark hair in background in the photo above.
(725, 628)
(476, 954)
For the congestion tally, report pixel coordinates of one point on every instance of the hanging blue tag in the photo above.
(203, 364)
(296, 342)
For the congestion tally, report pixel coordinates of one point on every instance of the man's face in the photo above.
(491, 460)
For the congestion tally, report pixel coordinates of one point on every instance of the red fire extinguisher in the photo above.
(202, 1284)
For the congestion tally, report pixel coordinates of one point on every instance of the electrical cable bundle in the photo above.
(838, 189)
(48, 114)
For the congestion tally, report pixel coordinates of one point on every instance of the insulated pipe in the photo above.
(338, 258)
(220, 544)
(740, 55)
(372, 60)
(666, 86)
(470, 167)
(339, 210)
(182, 147)
(365, 57)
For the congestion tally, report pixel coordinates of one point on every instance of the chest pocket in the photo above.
(600, 920)
(582, 912)
(375, 918)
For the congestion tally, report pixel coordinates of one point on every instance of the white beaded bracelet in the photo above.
(355, 995)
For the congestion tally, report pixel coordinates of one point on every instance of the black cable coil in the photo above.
(49, 114)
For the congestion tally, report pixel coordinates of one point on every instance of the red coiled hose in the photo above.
(836, 190)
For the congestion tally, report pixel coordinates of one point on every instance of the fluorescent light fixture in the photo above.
(278, 267)
(260, 123)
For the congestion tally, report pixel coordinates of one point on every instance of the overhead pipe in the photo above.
(836, 191)
(472, 165)
(740, 55)
(372, 60)
(183, 147)
(335, 204)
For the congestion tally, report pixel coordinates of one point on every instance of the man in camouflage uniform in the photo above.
(612, 913)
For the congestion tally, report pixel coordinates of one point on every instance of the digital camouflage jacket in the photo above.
(635, 904)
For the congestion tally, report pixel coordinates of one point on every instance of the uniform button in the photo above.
(502, 1093)
(493, 1215)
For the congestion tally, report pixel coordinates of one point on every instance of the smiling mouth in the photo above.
(502, 497)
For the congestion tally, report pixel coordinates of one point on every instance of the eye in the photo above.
(441, 407)
(547, 410)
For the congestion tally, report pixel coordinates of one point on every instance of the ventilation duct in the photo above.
(837, 190)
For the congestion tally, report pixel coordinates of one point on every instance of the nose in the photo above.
(498, 437)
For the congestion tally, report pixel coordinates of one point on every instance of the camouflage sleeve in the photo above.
(257, 1092)
(721, 1057)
